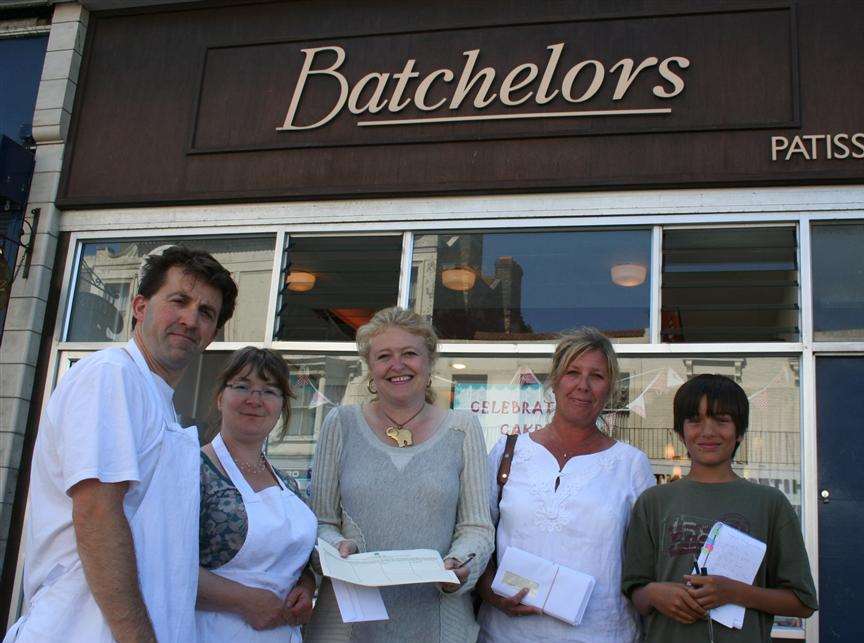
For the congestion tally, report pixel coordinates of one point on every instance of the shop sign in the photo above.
(636, 74)
(504, 409)
(817, 147)
(442, 93)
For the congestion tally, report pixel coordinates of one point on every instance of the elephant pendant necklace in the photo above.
(397, 431)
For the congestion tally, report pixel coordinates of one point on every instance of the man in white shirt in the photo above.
(111, 549)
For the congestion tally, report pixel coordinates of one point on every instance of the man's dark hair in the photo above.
(723, 396)
(196, 263)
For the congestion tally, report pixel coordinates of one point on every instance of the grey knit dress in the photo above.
(430, 496)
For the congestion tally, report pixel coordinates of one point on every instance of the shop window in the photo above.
(726, 285)
(509, 394)
(838, 281)
(331, 286)
(528, 286)
(108, 274)
(501, 392)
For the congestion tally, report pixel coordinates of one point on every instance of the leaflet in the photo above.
(733, 554)
(383, 568)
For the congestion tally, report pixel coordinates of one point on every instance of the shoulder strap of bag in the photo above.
(506, 461)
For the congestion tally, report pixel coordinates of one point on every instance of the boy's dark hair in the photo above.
(197, 263)
(722, 394)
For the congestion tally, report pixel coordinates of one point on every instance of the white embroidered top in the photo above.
(581, 525)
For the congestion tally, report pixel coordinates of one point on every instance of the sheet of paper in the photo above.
(383, 568)
(731, 553)
(359, 603)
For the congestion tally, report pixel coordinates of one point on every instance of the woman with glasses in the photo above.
(256, 533)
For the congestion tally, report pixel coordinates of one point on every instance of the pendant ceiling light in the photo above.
(459, 278)
(299, 281)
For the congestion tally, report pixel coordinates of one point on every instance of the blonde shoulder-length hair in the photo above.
(577, 342)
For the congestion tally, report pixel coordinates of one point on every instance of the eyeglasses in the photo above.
(267, 394)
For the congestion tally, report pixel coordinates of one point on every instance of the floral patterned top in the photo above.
(223, 524)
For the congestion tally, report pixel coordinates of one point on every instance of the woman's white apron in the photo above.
(279, 538)
(165, 534)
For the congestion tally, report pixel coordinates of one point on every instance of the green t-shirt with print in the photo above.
(668, 527)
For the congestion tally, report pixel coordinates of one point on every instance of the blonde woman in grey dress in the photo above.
(401, 473)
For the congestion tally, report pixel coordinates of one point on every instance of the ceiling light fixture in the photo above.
(629, 275)
(458, 278)
(299, 281)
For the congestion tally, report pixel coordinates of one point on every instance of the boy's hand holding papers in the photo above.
(728, 554)
(555, 589)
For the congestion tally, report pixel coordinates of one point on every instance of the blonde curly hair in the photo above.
(403, 319)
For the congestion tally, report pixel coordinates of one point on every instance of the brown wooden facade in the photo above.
(183, 105)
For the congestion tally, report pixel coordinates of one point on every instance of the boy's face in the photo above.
(710, 440)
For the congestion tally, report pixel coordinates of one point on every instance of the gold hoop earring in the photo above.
(370, 386)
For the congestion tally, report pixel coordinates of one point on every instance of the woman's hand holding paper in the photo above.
(346, 548)
(461, 572)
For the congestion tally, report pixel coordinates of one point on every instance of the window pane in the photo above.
(333, 285)
(19, 77)
(730, 285)
(532, 285)
(107, 281)
(510, 394)
(506, 394)
(319, 382)
(838, 282)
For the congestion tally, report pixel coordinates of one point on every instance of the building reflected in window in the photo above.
(530, 286)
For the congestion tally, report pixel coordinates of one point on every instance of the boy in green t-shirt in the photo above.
(670, 523)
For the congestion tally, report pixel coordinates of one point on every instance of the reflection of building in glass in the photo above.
(770, 452)
(463, 302)
(108, 279)
(524, 286)
(319, 383)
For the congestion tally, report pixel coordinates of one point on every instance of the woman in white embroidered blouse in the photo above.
(568, 499)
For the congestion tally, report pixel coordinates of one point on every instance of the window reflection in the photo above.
(333, 285)
(726, 285)
(838, 282)
(524, 286)
(510, 394)
(502, 393)
(108, 276)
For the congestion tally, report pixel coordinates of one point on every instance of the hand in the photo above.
(346, 548)
(297, 608)
(262, 609)
(674, 600)
(461, 572)
(511, 606)
(712, 591)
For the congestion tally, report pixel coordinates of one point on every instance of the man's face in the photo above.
(176, 323)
